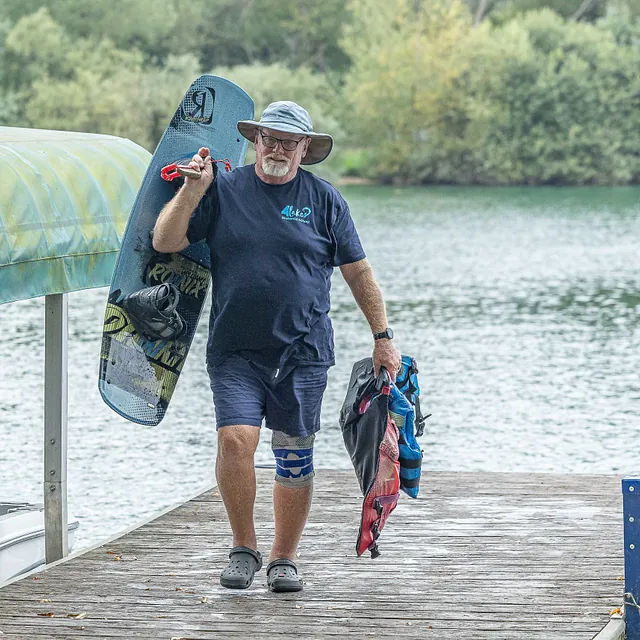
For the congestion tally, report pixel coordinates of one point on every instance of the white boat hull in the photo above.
(22, 545)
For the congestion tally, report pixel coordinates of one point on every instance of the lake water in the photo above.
(521, 307)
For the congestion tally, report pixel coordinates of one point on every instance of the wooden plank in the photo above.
(478, 556)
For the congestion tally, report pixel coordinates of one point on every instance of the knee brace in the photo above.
(294, 459)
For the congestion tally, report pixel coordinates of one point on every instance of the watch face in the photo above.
(389, 333)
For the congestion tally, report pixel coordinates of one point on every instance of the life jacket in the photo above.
(378, 421)
(405, 411)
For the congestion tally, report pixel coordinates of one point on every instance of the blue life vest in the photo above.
(404, 410)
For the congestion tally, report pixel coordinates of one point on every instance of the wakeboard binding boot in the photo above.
(153, 312)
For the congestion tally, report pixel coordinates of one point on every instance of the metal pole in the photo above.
(55, 427)
(631, 510)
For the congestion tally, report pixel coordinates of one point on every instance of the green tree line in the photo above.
(414, 91)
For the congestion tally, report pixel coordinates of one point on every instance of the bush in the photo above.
(535, 101)
(356, 163)
(550, 102)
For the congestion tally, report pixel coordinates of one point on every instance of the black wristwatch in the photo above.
(387, 333)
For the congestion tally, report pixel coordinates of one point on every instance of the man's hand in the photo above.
(387, 356)
(201, 161)
(170, 230)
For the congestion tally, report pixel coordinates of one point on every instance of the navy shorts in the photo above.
(288, 400)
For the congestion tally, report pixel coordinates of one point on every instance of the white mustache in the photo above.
(273, 156)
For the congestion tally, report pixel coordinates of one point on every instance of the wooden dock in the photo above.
(478, 556)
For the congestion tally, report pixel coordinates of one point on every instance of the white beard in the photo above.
(275, 169)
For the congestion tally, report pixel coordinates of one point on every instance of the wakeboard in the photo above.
(139, 372)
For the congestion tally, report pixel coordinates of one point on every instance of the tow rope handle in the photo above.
(175, 170)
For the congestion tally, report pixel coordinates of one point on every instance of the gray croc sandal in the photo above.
(243, 565)
(282, 576)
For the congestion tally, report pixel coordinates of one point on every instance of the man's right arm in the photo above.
(170, 231)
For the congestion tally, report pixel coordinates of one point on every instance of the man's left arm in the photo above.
(368, 295)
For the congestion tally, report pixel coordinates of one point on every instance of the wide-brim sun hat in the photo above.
(289, 117)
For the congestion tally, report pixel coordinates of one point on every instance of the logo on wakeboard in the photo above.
(198, 106)
(190, 278)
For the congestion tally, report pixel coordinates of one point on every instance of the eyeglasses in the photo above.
(287, 144)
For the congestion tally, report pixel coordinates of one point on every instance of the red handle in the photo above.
(174, 170)
(169, 172)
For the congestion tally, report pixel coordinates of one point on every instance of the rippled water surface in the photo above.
(521, 306)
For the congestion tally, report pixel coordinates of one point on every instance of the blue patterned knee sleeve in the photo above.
(294, 459)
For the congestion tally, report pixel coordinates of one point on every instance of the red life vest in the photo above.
(383, 495)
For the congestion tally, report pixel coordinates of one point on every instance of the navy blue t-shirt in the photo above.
(273, 250)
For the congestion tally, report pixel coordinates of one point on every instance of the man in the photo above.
(275, 233)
